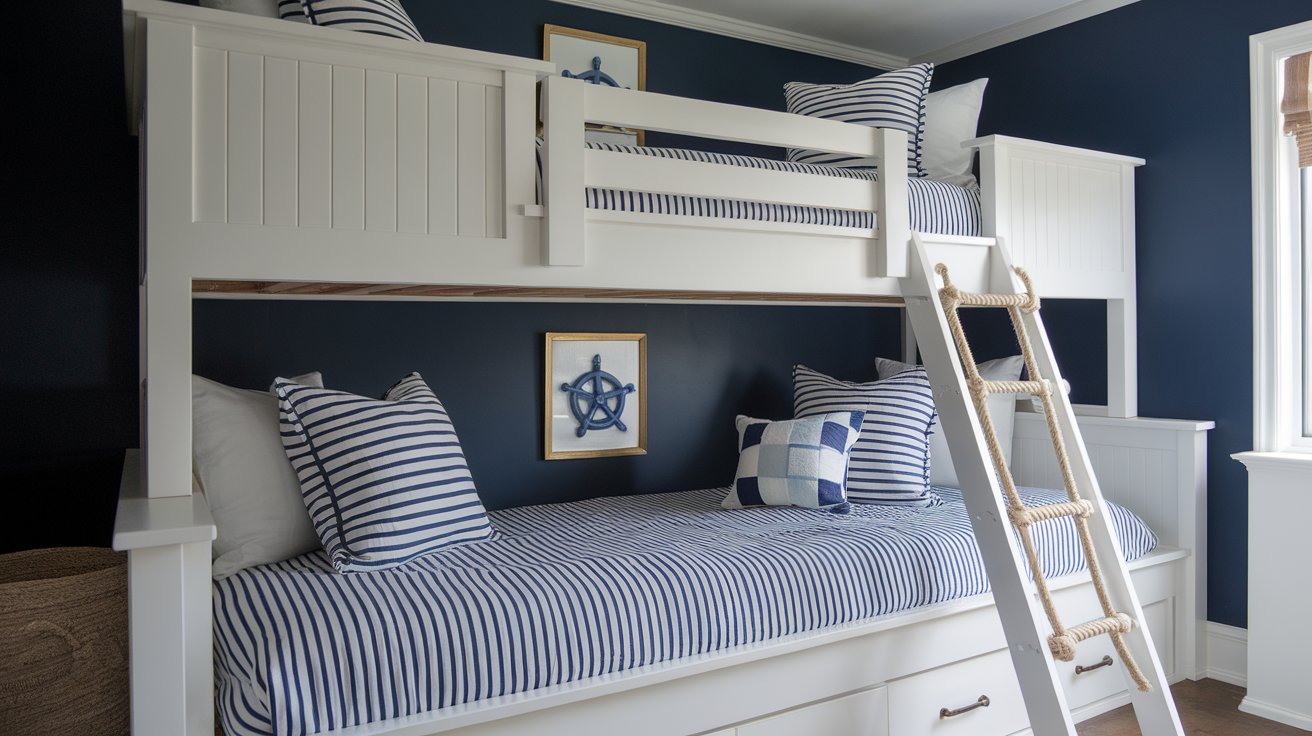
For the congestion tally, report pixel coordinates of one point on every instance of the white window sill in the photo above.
(1272, 460)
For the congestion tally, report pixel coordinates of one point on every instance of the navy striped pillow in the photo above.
(384, 481)
(894, 99)
(380, 17)
(292, 10)
(890, 461)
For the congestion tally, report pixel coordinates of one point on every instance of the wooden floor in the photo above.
(1207, 708)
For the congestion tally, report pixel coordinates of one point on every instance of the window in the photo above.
(1306, 290)
(1282, 243)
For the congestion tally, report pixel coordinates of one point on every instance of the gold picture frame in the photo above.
(579, 368)
(624, 60)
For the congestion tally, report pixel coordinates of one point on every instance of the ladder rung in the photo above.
(1031, 514)
(1038, 388)
(1063, 646)
(967, 299)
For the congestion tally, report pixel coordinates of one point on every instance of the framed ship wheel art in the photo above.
(596, 395)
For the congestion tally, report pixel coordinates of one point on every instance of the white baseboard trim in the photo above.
(1227, 653)
(1276, 713)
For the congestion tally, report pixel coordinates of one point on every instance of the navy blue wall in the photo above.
(705, 365)
(1166, 80)
(68, 298)
(68, 295)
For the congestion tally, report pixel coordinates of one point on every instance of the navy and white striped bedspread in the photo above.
(571, 591)
(936, 207)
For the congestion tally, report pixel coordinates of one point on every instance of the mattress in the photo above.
(570, 591)
(935, 206)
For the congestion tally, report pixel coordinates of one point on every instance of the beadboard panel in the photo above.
(301, 143)
(1135, 467)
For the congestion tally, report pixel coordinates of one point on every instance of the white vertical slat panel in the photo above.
(380, 151)
(211, 148)
(471, 160)
(280, 142)
(443, 130)
(496, 163)
(412, 159)
(348, 148)
(245, 137)
(1052, 204)
(314, 145)
(1063, 232)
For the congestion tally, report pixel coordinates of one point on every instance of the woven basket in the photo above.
(63, 642)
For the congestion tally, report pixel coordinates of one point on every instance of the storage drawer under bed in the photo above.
(915, 703)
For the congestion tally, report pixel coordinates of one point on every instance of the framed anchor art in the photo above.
(596, 395)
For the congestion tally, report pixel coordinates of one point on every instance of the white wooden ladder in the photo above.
(982, 274)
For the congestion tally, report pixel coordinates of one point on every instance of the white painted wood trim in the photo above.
(1276, 358)
(1272, 712)
(348, 41)
(1016, 31)
(1014, 143)
(1227, 654)
(141, 522)
(1279, 586)
(170, 646)
(685, 115)
(721, 25)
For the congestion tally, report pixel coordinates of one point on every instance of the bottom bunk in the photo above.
(580, 603)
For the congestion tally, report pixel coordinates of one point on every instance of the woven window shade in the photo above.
(1296, 105)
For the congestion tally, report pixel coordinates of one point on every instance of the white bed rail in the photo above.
(569, 168)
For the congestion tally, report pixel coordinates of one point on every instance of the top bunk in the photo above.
(290, 160)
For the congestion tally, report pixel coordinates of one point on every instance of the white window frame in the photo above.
(1278, 354)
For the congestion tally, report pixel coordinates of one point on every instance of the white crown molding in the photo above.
(725, 26)
(1024, 29)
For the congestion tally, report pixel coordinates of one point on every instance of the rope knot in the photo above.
(1062, 646)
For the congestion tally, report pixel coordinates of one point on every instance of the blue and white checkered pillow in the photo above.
(890, 462)
(384, 481)
(894, 100)
(798, 462)
(380, 17)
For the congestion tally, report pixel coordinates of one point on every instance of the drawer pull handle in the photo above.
(1106, 661)
(983, 702)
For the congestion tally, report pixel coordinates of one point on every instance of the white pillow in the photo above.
(1002, 407)
(951, 118)
(251, 489)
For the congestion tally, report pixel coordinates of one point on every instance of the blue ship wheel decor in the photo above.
(596, 401)
(593, 76)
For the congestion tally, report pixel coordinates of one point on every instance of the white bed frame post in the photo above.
(894, 233)
(1050, 203)
(171, 649)
(562, 172)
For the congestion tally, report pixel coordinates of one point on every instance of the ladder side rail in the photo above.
(1155, 710)
(1045, 700)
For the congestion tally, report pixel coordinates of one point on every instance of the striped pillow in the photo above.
(799, 462)
(292, 10)
(890, 461)
(384, 481)
(894, 99)
(380, 17)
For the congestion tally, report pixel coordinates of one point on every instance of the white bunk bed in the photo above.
(284, 159)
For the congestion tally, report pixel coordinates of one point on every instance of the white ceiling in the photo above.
(877, 32)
